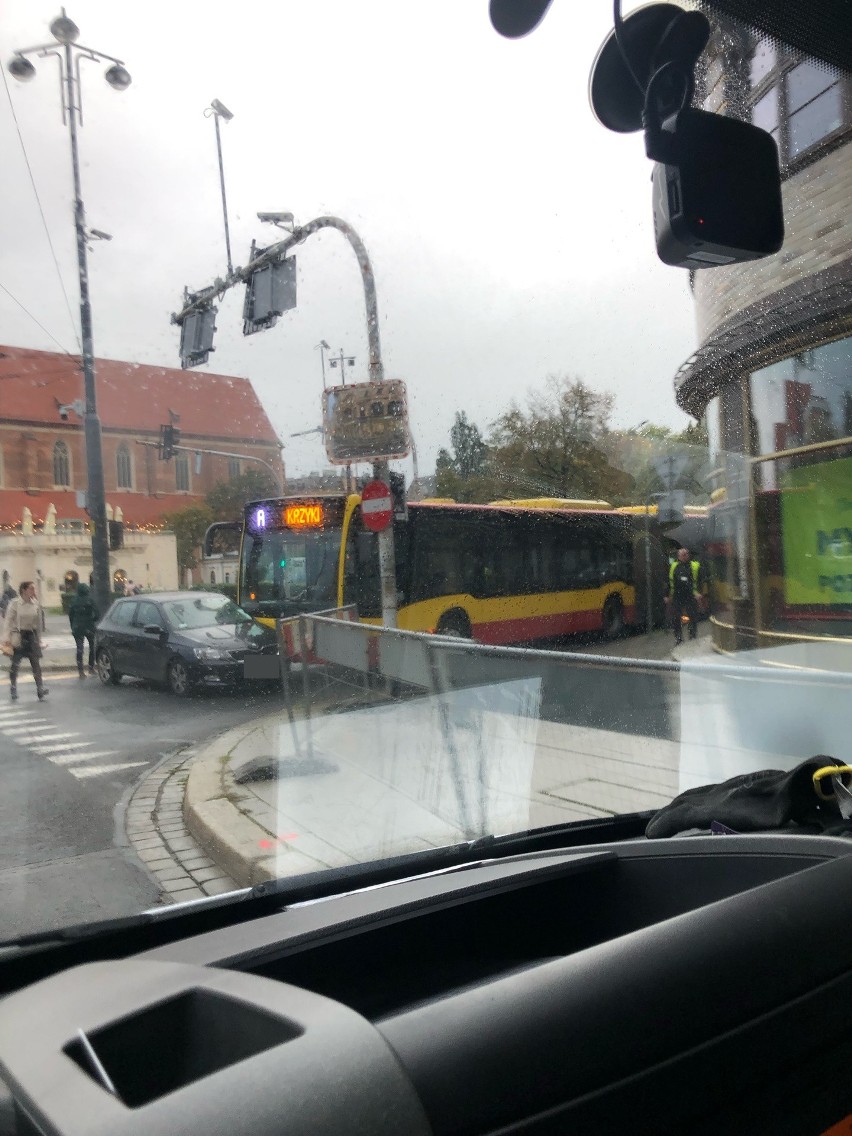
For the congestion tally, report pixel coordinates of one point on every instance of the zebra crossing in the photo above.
(68, 750)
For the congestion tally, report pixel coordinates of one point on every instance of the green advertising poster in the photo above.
(816, 526)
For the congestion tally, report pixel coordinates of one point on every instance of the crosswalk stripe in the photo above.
(14, 715)
(71, 758)
(35, 726)
(51, 737)
(61, 746)
(97, 770)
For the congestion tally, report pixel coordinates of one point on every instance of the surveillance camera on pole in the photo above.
(280, 220)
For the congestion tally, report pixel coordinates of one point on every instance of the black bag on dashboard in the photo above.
(770, 800)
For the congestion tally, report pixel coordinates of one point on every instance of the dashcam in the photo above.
(716, 191)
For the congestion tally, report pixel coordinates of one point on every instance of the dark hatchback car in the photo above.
(184, 639)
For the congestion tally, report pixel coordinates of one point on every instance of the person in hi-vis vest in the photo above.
(684, 592)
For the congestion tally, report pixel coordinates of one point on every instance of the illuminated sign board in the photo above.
(366, 422)
(303, 516)
(816, 518)
(271, 516)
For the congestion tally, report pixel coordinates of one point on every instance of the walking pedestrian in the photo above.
(83, 616)
(683, 593)
(22, 632)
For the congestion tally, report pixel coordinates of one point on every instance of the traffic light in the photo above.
(397, 488)
(270, 291)
(196, 334)
(116, 535)
(169, 439)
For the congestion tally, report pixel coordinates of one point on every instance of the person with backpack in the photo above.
(22, 636)
(83, 616)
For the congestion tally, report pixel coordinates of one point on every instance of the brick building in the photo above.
(43, 460)
(773, 371)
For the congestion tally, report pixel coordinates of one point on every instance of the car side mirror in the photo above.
(152, 629)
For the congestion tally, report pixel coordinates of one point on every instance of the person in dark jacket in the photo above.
(83, 617)
(9, 594)
(684, 593)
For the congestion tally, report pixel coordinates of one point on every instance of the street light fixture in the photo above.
(65, 32)
(322, 347)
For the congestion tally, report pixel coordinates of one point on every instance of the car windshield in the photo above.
(203, 611)
(498, 473)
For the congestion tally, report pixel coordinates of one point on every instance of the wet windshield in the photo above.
(373, 355)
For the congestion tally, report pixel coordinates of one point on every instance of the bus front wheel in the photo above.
(613, 617)
(455, 624)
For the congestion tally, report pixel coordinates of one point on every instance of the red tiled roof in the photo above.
(131, 396)
(138, 508)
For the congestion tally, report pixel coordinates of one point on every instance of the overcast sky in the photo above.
(510, 234)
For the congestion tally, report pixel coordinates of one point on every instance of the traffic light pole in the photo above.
(223, 454)
(387, 554)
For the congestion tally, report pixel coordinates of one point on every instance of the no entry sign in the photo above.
(376, 505)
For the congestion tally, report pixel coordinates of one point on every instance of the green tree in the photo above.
(189, 526)
(556, 446)
(227, 498)
(463, 472)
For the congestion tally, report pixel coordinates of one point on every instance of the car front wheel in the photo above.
(107, 673)
(178, 677)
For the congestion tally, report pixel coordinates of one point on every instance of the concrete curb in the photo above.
(245, 849)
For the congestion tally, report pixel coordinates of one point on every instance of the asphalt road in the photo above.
(68, 765)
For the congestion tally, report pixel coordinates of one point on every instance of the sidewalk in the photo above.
(280, 798)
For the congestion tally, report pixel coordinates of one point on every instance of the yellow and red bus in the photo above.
(505, 573)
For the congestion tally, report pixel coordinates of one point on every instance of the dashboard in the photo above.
(699, 984)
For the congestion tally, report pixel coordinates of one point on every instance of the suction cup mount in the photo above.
(652, 38)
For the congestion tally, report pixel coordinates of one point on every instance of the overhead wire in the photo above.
(43, 219)
(35, 321)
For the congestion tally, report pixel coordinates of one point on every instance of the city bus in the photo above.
(504, 573)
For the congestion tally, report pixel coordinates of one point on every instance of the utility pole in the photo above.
(66, 33)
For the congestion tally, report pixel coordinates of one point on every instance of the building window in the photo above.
(763, 61)
(61, 465)
(213, 578)
(799, 102)
(182, 473)
(233, 468)
(124, 473)
(814, 106)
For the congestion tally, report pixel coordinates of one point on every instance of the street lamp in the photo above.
(218, 110)
(322, 347)
(69, 53)
(339, 360)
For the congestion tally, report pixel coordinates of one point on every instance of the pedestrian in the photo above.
(22, 633)
(129, 587)
(83, 616)
(683, 593)
(9, 594)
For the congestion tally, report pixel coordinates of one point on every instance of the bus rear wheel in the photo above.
(613, 618)
(455, 624)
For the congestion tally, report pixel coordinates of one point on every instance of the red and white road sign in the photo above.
(376, 505)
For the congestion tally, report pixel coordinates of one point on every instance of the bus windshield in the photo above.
(289, 567)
